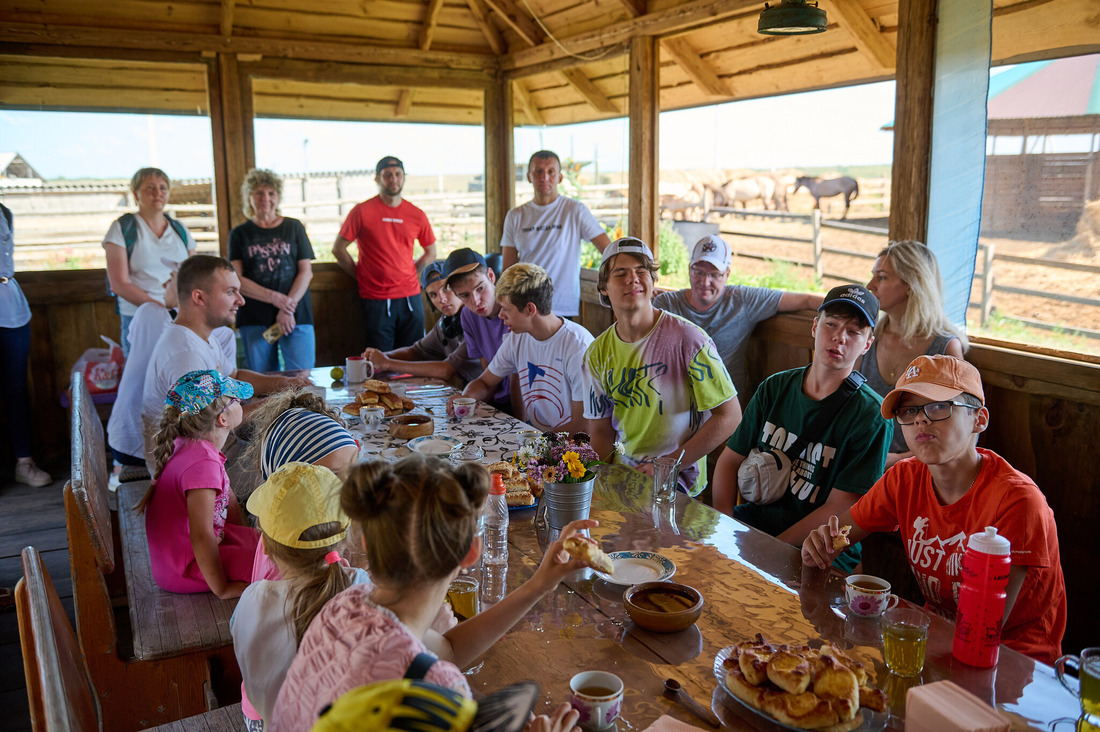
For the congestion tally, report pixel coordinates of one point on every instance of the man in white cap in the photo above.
(547, 231)
(654, 380)
(728, 313)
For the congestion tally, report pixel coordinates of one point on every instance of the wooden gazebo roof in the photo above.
(430, 60)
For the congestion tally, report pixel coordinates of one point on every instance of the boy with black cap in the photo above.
(474, 283)
(441, 354)
(385, 228)
(950, 489)
(841, 458)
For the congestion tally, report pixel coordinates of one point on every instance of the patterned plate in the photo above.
(632, 568)
(434, 444)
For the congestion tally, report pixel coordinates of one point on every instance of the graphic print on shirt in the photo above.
(542, 395)
(267, 256)
(634, 387)
(934, 558)
(805, 466)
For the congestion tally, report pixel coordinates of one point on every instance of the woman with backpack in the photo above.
(142, 247)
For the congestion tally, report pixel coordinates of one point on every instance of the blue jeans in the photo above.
(395, 323)
(298, 349)
(15, 348)
(124, 339)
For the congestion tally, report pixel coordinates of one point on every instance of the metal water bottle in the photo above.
(496, 524)
(985, 568)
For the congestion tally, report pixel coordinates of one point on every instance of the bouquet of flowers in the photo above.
(558, 457)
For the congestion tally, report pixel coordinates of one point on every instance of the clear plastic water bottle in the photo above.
(985, 568)
(494, 584)
(496, 524)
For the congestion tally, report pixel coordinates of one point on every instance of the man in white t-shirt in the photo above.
(209, 295)
(547, 231)
(545, 350)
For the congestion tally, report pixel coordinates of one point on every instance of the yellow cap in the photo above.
(296, 497)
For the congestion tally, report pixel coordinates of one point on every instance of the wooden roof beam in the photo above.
(519, 21)
(227, 18)
(404, 101)
(865, 32)
(168, 40)
(666, 21)
(427, 31)
(528, 104)
(635, 7)
(696, 68)
(592, 93)
(371, 75)
(485, 23)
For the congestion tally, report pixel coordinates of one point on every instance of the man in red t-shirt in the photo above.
(951, 489)
(385, 228)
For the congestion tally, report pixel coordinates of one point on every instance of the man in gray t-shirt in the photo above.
(728, 313)
(440, 354)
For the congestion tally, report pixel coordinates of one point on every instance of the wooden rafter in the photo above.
(528, 104)
(865, 32)
(696, 68)
(635, 7)
(592, 93)
(227, 18)
(428, 29)
(485, 23)
(675, 19)
(167, 40)
(517, 20)
(404, 101)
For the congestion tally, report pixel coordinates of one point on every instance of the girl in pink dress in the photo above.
(197, 541)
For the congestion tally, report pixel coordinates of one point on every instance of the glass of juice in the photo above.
(904, 637)
(1088, 676)
(463, 597)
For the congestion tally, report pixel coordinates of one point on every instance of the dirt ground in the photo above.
(1081, 250)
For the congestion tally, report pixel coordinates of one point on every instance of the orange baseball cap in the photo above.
(939, 378)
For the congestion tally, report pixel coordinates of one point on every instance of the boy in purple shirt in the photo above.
(474, 283)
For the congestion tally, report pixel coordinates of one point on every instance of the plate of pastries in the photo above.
(378, 394)
(518, 491)
(798, 687)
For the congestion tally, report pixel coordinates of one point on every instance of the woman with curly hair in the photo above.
(272, 254)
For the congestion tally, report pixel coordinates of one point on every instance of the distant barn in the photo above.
(15, 171)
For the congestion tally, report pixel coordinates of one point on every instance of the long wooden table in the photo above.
(750, 582)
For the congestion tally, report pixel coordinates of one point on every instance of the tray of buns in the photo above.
(519, 492)
(377, 393)
(800, 688)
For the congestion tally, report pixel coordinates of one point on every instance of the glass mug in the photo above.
(904, 637)
(1088, 673)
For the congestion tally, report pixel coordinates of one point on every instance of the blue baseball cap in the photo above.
(461, 261)
(856, 297)
(432, 273)
(197, 390)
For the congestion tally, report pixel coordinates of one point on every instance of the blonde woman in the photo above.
(141, 248)
(272, 256)
(912, 322)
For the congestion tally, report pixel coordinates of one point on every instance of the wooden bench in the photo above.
(62, 695)
(171, 676)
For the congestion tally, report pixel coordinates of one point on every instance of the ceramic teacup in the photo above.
(597, 696)
(869, 596)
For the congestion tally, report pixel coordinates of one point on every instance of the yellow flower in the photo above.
(573, 462)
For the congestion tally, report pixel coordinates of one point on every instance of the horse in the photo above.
(743, 190)
(819, 189)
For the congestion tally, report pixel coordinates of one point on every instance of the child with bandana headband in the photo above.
(197, 541)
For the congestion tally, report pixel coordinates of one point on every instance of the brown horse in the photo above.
(819, 189)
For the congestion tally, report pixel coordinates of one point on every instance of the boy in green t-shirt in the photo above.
(848, 455)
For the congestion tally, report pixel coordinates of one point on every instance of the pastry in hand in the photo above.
(591, 554)
(841, 539)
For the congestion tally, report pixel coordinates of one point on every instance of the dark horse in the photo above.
(819, 189)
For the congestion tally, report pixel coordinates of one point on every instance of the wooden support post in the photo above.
(987, 281)
(234, 149)
(913, 119)
(499, 161)
(644, 108)
(815, 223)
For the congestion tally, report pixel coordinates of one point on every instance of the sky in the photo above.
(823, 128)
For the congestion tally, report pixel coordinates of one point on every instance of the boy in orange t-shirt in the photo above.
(951, 489)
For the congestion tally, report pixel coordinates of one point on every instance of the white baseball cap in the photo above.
(625, 245)
(712, 249)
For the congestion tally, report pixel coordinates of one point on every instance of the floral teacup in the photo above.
(869, 596)
(597, 696)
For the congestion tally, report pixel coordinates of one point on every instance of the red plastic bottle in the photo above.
(985, 568)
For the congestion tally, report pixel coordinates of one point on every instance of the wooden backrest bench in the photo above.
(62, 695)
(177, 638)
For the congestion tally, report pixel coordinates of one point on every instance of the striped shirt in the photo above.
(299, 435)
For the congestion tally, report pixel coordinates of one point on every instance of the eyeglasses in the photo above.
(232, 401)
(700, 274)
(936, 412)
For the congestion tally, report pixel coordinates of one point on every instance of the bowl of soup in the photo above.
(663, 607)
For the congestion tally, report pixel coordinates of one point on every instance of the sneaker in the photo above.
(29, 473)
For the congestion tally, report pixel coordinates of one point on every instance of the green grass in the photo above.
(1005, 328)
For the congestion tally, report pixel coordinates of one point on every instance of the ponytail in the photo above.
(174, 424)
(313, 581)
